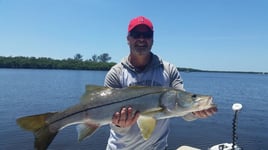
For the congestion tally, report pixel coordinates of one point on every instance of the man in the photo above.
(142, 67)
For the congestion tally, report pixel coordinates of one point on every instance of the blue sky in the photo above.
(223, 35)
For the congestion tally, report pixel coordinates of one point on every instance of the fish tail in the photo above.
(38, 125)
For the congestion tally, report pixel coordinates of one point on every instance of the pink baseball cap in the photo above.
(138, 21)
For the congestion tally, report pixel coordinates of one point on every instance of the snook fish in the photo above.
(99, 103)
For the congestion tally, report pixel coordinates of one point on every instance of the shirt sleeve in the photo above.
(175, 77)
(112, 78)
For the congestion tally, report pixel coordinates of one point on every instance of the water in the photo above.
(26, 92)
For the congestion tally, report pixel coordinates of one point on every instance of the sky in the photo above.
(215, 35)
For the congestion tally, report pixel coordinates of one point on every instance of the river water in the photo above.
(26, 92)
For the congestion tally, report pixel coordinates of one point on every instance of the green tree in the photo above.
(104, 57)
(75, 63)
(78, 57)
(95, 58)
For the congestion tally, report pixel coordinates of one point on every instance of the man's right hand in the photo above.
(125, 117)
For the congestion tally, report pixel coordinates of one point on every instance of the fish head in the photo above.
(179, 103)
(193, 102)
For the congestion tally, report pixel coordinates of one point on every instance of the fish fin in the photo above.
(37, 124)
(85, 129)
(146, 125)
(91, 90)
(152, 111)
(43, 137)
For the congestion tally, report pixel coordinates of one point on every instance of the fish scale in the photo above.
(99, 103)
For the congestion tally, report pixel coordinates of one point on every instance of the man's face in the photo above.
(140, 40)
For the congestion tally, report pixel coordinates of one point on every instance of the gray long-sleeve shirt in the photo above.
(156, 73)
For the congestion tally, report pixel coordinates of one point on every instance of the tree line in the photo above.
(97, 62)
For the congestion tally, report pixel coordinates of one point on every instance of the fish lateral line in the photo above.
(96, 107)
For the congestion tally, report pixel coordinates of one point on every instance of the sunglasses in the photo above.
(137, 34)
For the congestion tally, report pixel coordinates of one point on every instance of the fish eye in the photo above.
(194, 96)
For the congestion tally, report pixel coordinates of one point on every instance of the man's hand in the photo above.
(125, 117)
(205, 113)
